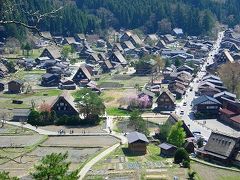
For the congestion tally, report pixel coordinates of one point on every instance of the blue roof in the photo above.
(203, 99)
(166, 146)
(178, 30)
(135, 136)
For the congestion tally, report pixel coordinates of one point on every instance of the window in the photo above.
(61, 104)
(167, 100)
(212, 107)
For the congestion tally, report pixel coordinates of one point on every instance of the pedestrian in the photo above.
(72, 131)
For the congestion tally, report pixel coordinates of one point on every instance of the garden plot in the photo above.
(77, 129)
(19, 141)
(81, 141)
(15, 130)
(22, 167)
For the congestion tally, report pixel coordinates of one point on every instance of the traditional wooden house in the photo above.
(229, 113)
(161, 44)
(178, 32)
(2, 86)
(136, 41)
(167, 150)
(125, 36)
(208, 91)
(168, 38)
(205, 105)
(127, 45)
(82, 76)
(137, 143)
(151, 39)
(20, 115)
(51, 53)
(106, 66)
(92, 59)
(49, 80)
(69, 40)
(80, 38)
(117, 47)
(64, 105)
(67, 84)
(166, 101)
(220, 148)
(15, 86)
(117, 58)
(225, 57)
(185, 68)
(224, 94)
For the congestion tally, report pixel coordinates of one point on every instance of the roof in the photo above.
(67, 97)
(81, 36)
(136, 136)
(166, 146)
(46, 34)
(225, 93)
(129, 44)
(226, 111)
(136, 39)
(169, 94)
(221, 144)
(178, 30)
(70, 40)
(204, 98)
(236, 119)
(85, 71)
(120, 57)
(21, 112)
(228, 55)
(18, 81)
(152, 37)
(211, 77)
(54, 51)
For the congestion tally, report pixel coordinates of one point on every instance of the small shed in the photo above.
(20, 115)
(167, 150)
(15, 86)
(137, 143)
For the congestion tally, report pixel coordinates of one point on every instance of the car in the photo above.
(191, 89)
(182, 113)
(185, 103)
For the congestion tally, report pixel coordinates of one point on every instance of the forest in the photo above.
(196, 17)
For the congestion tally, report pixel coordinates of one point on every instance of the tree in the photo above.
(177, 135)
(27, 47)
(181, 155)
(89, 104)
(160, 63)
(164, 131)
(191, 175)
(54, 167)
(138, 122)
(65, 51)
(230, 75)
(5, 176)
(164, 26)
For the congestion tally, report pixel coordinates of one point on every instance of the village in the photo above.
(164, 81)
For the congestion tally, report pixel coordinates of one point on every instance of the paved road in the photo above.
(190, 95)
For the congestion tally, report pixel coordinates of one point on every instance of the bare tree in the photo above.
(9, 8)
(4, 115)
(230, 75)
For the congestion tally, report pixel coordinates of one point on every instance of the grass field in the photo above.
(204, 172)
(117, 80)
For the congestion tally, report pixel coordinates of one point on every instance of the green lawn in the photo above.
(112, 111)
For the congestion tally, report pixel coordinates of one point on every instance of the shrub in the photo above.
(181, 155)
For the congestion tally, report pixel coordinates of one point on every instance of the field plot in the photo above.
(75, 155)
(10, 130)
(19, 141)
(205, 172)
(122, 164)
(122, 80)
(81, 141)
(38, 96)
(77, 129)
